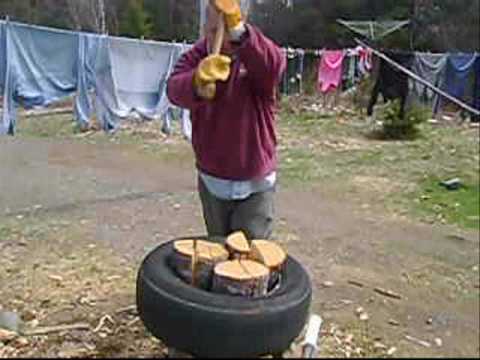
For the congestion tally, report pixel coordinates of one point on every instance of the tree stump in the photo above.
(238, 246)
(207, 256)
(245, 278)
(272, 256)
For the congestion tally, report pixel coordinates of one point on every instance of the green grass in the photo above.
(411, 167)
(297, 166)
(460, 207)
(333, 151)
(55, 126)
(6, 233)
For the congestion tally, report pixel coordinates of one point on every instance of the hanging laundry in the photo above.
(186, 124)
(41, 68)
(350, 76)
(131, 77)
(330, 71)
(175, 112)
(460, 69)
(430, 67)
(87, 55)
(3, 58)
(476, 98)
(300, 68)
(391, 83)
(290, 80)
(6, 80)
(365, 63)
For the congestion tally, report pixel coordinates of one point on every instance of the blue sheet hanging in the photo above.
(131, 77)
(41, 68)
(459, 69)
(477, 83)
(3, 58)
(87, 57)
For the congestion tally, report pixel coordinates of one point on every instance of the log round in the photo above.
(208, 254)
(245, 278)
(272, 256)
(238, 246)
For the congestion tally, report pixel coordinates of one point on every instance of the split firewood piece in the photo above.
(245, 278)
(238, 246)
(207, 255)
(272, 256)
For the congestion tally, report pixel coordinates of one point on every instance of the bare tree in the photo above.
(87, 14)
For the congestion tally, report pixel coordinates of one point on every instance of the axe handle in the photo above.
(219, 36)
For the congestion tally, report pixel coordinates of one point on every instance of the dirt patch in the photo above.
(79, 217)
(376, 184)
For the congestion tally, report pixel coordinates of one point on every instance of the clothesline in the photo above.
(421, 80)
(351, 51)
(127, 76)
(316, 52)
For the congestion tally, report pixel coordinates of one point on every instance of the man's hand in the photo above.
(212, 69)
(231, 11)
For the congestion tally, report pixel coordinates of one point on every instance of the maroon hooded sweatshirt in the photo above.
(233, 136)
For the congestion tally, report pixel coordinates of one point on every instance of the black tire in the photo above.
(211, 325)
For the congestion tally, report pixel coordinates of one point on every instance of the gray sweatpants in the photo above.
(254, 215)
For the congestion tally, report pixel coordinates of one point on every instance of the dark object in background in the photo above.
(392, 83)
(453, 184)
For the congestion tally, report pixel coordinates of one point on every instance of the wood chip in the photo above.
(388, 293)
(102, 322)
(418, 341)
(6, 335)
(114, 277)
(20, 342)
(131, 308)
(379, 346)
(72, 353)
(391, 351)
(88, 346)
(356, 283)
(393, 322)
(59, 328)
(359, 310)
(364, 317)
(134, 321)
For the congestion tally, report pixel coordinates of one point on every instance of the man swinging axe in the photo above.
(231, 93)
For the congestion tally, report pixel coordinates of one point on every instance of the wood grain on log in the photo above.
(268, 253)
(241, 278)
(238, 246)
(272, 256)
(208, 254)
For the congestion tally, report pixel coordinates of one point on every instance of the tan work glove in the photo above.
(211, 69)
(231, 12)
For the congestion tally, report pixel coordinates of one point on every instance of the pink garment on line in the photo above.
(365, 60)
(330, 70)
